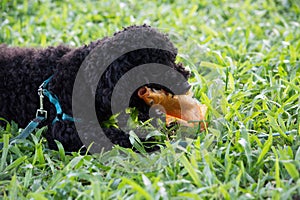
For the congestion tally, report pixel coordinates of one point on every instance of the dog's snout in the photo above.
(186, 86)
(183, 88)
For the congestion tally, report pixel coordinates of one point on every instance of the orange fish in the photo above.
(184, 109)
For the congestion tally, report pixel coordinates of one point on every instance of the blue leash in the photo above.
(41, 114)
(26, 132)
(54, 100)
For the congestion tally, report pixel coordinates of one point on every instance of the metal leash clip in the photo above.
(41, 112)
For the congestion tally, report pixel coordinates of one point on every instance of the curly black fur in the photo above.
(22, 70)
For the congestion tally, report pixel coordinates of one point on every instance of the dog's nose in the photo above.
(183, 88)
(186, 86)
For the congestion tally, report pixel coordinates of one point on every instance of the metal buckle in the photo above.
(41, 113)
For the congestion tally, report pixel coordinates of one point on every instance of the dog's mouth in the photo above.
(183, 109)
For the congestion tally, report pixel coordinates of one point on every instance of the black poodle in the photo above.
(23, 70)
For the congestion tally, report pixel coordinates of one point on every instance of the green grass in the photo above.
(244, 57)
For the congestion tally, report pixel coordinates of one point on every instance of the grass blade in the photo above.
(191, 170)
(137, 188)
(265, 149)
(4, 151)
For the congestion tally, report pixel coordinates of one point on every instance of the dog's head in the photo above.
(115, 68)
(135, 57)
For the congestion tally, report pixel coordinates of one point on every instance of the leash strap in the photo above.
(59, 114)
(54, 100)
(41, 114)
(26, 132)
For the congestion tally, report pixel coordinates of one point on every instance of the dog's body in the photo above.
(23, 70)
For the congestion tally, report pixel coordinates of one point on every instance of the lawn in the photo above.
(245, 62)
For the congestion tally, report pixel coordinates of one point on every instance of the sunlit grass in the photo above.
(244, 58)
